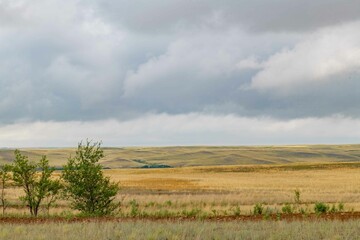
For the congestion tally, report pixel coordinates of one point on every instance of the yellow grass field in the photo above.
(244, 185)
(212, 187)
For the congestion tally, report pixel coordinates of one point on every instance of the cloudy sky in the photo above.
(179, 72)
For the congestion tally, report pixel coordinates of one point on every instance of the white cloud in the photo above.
(250, 63)
(188, 59)
(319, 57)
(184, 129)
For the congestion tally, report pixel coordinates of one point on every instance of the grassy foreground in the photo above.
(184, 230)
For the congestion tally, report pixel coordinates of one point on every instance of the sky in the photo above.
(179, 72)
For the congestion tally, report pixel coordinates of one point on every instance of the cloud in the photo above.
(78, 63)
(159, 17)
(250, 63)
(183, 129)
(319, 57)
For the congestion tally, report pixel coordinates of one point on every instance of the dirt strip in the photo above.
(283, 217)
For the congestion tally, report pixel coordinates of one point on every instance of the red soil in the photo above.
(284, 217)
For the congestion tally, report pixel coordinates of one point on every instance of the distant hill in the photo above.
(152, 157)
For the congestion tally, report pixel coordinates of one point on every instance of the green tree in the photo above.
(4, 178)
(85, 184)
(35, 179)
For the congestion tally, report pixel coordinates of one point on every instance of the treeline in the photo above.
(81, 182)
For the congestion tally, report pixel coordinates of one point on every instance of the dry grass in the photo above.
(222, 188)
(184, 230)
(266, 185)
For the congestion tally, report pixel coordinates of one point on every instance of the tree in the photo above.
(4, 178)
(85, 184)
(35, 179)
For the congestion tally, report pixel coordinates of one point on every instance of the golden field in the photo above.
(243, 185)
(320, 173)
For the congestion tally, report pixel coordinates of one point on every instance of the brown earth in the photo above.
(283, 217)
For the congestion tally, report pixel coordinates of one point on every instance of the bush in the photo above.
(134, 208)
(320, 208)
(341, 207)
(287, 208)
(88, 189)
(258, 209)
(236, 211)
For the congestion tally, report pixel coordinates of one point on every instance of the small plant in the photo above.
(297, 196)
(168, 203)
(192, 213)
(341, 207)
(320, 208)
(333, 209)
(150, 204)
(236, 211)
(214, 212)
(134, 208)
(302, 211)
(267, 213)
(258, 209)
(287, 208)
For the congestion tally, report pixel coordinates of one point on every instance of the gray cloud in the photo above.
(93, 60)
(277, 15)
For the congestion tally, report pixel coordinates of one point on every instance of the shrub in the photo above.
(333, 209)
(267, 213)
(134, 208)
(320, 208)
(341, 207)
(287, 208)
(258, 209)
(237, 211)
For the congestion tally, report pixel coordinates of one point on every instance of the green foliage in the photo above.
(37, 187)
(4, 178)
(341, 207)
(258, 209)
(192, 213)
(297, 196)
(168, 203)
(236, 211)
(85, 185)
(287, 208)
(134, 208)
(267, 213)
(320, 208)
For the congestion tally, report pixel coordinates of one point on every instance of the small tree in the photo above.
(37, 186)
(88, 189)
(4, 178)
